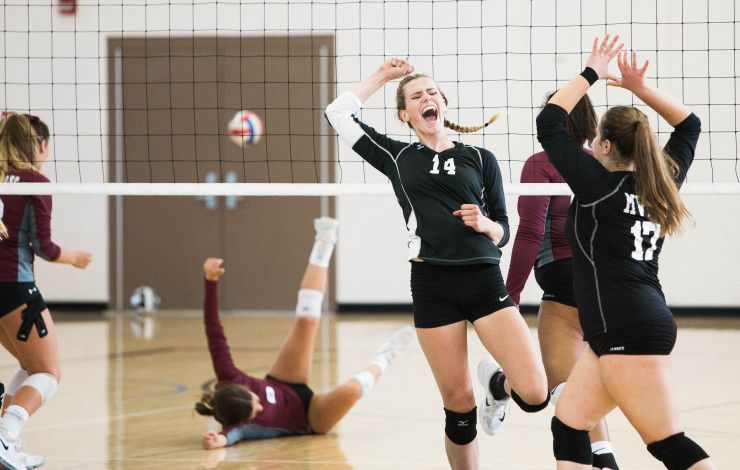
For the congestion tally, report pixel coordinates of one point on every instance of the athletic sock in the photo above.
(366, 381)
(603, 455)
(496, 385)
(326, 237)
(12, 421)
(321, 253)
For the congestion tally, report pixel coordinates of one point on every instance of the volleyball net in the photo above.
(144, 98)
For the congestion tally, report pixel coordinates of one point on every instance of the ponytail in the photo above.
(468, 129)
(205, 406)
(655, 182)
(655, 172)
(229, 405)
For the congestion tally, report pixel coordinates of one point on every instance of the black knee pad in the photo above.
(460, 427)
(570, 445)
(526, 406)
(677, 452)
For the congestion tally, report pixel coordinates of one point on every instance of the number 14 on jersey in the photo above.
(448, 166)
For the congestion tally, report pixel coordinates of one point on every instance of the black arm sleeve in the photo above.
(377, 149)
(494, 193)
(583, 173)
(681, 146)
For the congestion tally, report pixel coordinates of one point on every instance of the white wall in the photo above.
(697, 268)
(57, 67)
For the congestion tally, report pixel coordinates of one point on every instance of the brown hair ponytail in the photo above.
(229, 405)
(205, 405)
(629, 130)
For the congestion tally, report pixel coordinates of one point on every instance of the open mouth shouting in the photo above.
(430, 113)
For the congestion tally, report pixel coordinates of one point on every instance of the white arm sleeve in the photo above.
(340, 115)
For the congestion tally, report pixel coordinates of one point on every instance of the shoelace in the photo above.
(19, 444)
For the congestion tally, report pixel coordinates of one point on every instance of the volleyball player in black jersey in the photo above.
(452, 199)
(626, 201)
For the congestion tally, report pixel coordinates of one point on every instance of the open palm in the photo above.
(603, 53)
(633, 75)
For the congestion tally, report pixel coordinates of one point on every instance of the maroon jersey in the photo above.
(28, 220)
(283, 410)
(540, 238)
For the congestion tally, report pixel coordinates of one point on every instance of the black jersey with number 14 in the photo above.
(429, 186)
(615, 244)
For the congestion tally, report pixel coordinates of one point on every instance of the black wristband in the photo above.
(590, 75)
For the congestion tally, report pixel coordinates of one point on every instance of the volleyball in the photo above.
(245, 128)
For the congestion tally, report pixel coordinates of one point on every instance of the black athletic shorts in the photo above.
(15, 294)
(556, 281)
(444, 295)
(303, 391)
(656, 337)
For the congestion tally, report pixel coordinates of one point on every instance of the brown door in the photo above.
(177, 96)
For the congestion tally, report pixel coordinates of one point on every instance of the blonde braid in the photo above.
(468, 129)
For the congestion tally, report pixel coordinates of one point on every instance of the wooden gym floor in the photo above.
(128, 386)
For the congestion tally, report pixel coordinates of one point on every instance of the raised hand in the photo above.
(603, 53)
(396, 68)
(212, 268)
(633, 75)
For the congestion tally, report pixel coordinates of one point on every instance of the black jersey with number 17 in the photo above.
(615, 244)
(429, 186)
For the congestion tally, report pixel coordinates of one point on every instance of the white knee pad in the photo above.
(44, 383)
(309, 303)
(16, 382)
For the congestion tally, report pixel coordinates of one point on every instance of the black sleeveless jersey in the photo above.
(615, 245)
(429, 186)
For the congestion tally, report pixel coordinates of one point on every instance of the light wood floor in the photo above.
(125, 400)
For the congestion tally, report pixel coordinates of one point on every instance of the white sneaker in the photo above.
(10, 459)
(326, 229)
(397, 343)
(29, 460)
(491, 412)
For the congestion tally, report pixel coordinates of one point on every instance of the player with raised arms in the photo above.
(452, 199)
(626, 201)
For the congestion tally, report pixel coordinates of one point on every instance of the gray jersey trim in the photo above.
(593, 263)
(591, 258)
(619, 185)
